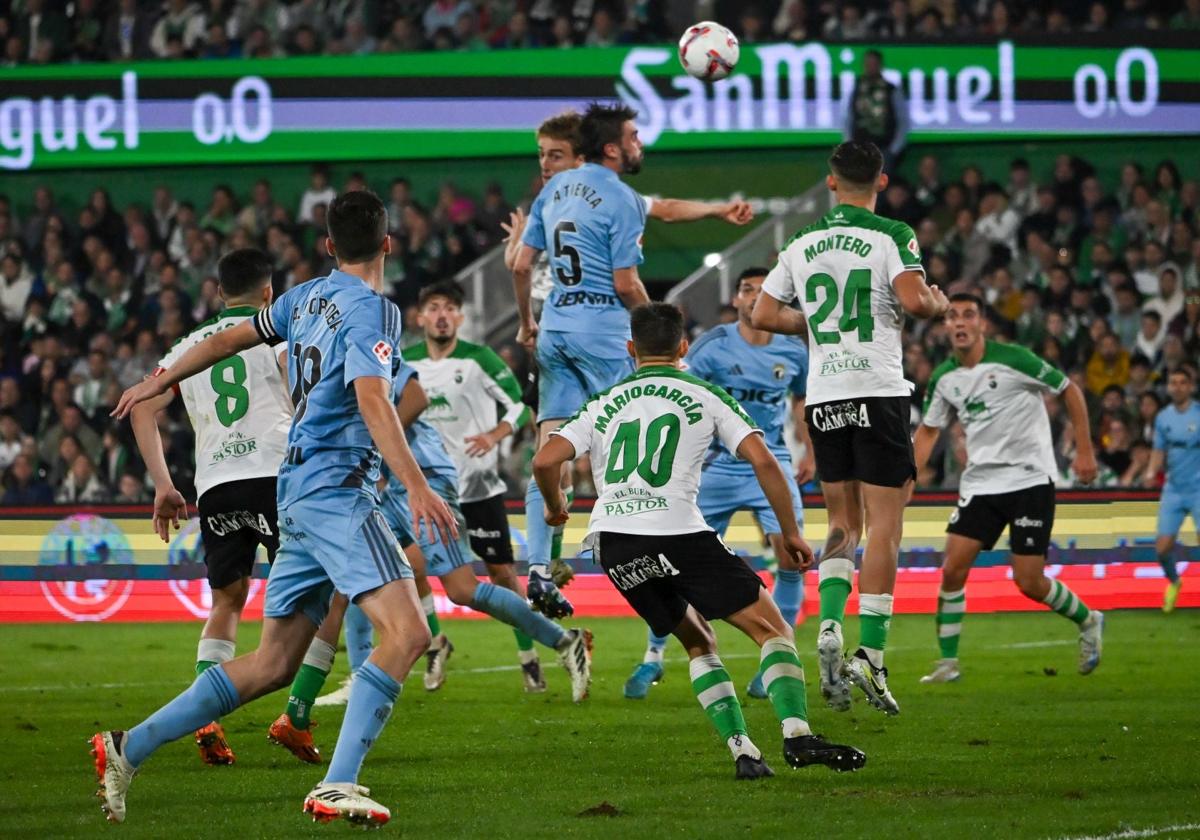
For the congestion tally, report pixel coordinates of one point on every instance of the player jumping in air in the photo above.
(856, 274)
(762, 372)
(465, 383)
(647, 437)
(1177, 448)
(996, 390)
(590, 272)
(240, 414)
(343, 343)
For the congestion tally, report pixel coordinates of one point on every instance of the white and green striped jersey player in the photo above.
(842, 268)
(239, 408)
(464, 390)
(999, 403)
(648, 437)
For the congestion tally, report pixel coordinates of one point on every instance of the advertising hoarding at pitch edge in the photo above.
(108, 565)
(446, 105)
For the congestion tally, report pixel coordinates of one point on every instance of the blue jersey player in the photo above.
(591, 225)
(1176, 447)
(764, 373)
(343, 343)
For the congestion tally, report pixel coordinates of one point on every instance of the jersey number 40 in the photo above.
(627, 452)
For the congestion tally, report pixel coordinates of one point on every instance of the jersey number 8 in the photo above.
(233, 400)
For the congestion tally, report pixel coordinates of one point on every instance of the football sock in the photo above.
(874, 618)
(524, 643)
(556, 540)
(951, 607)
(783, 678)
(310, 679)
(431, 616)
(834, 575)
(654, 647)
(1066, 603)
(210, 697)
(714, 690)
(372, 695)
(1167, 561)
(537, 532)
(359, 636)
(212, 652)
(512, 609)
(789, 593)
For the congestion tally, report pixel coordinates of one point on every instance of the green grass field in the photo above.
(1021, 747)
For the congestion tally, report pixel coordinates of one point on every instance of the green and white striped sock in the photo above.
(834, 575)
(874, 620)
(951, 607)
(714, 689)
(783, 679)
(1066, 603)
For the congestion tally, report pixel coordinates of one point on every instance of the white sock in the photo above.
(215, 650)
(427, 604)
(742, 745)
(320, 655)
(539, 569)
(654, 655)
(527, 656)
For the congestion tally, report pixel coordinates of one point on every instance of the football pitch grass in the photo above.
(1022, 746)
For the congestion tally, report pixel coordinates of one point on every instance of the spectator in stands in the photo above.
(181, 21)
(16, 282)
(23, 487)
(10, 440)
(443, 14)
(1150, 337)
(1109, 365)
(81, 485)
(1168, 303)
(71, 423)
(877, 111)
(127, 33)
(131, 490)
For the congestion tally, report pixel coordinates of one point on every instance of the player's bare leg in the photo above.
(292, 730)
(1029, 573)
(395, 614)
(505, 575)
(844, 503)
(788, 596)
(541, 589)
(561, 571)
(218, 642)
(876, 582)
(959, 556)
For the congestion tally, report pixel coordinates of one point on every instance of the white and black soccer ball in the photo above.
(708, 51)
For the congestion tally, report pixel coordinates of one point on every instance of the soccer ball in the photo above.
(708, 51)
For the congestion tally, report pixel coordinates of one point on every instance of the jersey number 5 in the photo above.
(573, 277)
(625, 452)
(856, 306)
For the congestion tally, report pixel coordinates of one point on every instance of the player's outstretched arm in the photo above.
(917, 297)
(1084, 465)
(374, 402)
(924, 439)
(774, 484)
(169, 505)
(547, 472)
(629, 288)
(201, 356)
(681, 210)
(773, 315)
(522, 273)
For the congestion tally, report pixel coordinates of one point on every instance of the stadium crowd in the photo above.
(48, 31)
(1099, 273)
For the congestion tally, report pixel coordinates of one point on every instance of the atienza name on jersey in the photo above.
(842, 268)
(239, 408)
(648, 437)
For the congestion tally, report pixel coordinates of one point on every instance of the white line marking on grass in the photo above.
(491, 669)
(1133, 833)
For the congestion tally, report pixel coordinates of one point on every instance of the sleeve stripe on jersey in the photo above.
(264, 327)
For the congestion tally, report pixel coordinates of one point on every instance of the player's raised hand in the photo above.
(527, 335)
(169, 508)
(148, 388)
(799, 553)
(479, 445)
(430, 512)
(738, 213)
(512, 241)
(1085, 467)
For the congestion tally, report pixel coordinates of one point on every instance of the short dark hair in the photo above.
(449, 289)
(858, 162)
(1152, 314)
(968, 297)
(753, 271)
(243, 271)
(601, 125)
(357, 223)
(1182, 371)
(657, 328)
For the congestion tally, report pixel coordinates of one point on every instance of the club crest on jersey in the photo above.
(914, 248)
(382, 351)
(779, 371)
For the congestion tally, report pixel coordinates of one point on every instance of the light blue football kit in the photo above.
(1177, 433)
